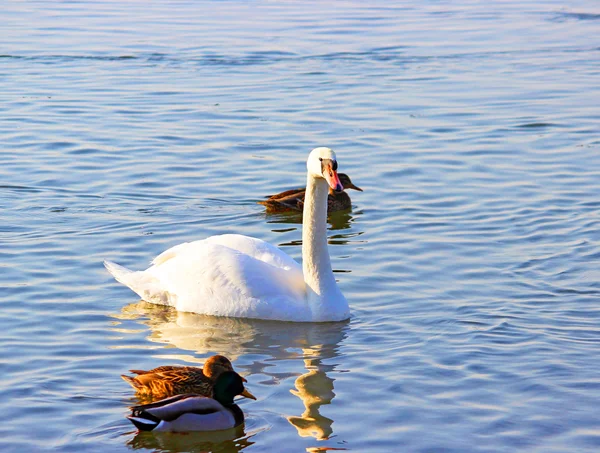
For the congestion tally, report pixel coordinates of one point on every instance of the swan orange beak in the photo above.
(331, 176)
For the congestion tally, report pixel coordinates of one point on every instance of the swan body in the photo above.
(192, 412)
(240, 276)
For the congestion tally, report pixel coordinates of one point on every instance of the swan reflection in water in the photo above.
(315, 389)
(234, 337)
(338, 222)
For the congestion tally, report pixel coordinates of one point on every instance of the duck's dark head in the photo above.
(227, 386)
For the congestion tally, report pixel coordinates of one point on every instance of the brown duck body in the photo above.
(293, 200)
(165, 381)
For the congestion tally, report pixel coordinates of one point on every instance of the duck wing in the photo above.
(165, 368)
(287, 193)
(291, 202)
(169, 380)
(188, 412)
(170, 409)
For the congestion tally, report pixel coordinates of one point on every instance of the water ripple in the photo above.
(470, 259)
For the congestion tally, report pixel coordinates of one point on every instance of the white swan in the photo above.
(244, 277)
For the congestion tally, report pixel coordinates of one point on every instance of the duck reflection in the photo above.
(340, 220)
(229, 441)
(233, 337)
(339, 238)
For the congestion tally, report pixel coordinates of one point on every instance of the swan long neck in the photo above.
(323, 295)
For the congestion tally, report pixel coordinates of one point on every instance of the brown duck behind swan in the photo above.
(293, 200)
(165, 381)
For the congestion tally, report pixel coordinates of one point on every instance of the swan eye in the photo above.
(334, 165)
(321, 159)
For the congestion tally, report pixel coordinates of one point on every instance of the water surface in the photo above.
(470, 260)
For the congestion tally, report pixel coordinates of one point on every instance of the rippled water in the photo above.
(471, 260)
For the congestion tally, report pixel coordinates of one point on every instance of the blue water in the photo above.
(471, 261)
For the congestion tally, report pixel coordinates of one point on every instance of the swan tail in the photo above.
(120, 273)
(144, 285)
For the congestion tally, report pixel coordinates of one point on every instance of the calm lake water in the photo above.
(471, 261)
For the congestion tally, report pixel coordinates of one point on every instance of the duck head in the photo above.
(227, 386)
(216, 365)
(347, 183)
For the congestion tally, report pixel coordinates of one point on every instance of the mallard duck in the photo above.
(293, 200)
(244, 277)
(167, 381)
(193, 412)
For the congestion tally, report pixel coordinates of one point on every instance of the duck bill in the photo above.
(332, 179)
(247, 394)
(352, 186)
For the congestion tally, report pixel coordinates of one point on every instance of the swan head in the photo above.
(322, 163)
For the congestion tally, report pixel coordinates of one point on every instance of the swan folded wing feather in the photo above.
(250, 246)
(256, 248)
(172, 252)
(245, 278)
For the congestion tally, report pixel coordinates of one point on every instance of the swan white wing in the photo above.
(247, 245)
(253, 279)
(173, 252)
